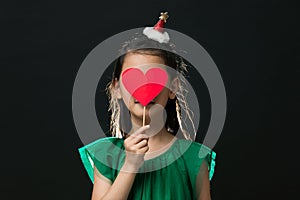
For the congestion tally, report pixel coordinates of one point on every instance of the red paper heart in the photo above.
(144, 87)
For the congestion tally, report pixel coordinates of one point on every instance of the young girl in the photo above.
(151, 161)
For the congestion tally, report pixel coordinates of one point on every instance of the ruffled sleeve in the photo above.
(195, 155)
(211, 161)
(103, 154)
(209, 156)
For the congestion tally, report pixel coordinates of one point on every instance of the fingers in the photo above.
(137, 136)
(136, 146)
(141, 144)
(137, 142)
(144, 149)
(140, 130)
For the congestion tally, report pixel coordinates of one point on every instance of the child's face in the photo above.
(136, 60)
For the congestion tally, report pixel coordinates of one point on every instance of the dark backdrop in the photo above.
(255, 45)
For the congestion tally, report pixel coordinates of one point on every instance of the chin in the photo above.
(138, 111)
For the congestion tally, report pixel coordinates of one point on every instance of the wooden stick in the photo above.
(144, 113)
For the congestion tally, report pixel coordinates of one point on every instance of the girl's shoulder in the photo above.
(193, 147)
(106, 143)
(194, 155)
(102, 154)
(104, 148)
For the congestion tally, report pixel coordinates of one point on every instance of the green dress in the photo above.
(170, 175)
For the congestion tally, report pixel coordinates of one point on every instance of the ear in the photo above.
(174, 86)
(116, 89)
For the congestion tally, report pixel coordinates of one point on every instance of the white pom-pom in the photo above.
(153, 34)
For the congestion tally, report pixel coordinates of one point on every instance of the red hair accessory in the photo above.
(157, 32)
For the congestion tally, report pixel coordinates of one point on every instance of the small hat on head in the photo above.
(157, 32)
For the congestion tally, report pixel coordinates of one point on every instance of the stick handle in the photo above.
(144, 113)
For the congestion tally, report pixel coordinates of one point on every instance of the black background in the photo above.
(255, 45)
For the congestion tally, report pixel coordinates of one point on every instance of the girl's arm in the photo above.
(103, 189)
(202, 183)
(136, 146)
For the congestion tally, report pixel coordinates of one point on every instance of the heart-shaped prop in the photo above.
(144, 87)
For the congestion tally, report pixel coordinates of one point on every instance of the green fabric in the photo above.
(171, 175)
